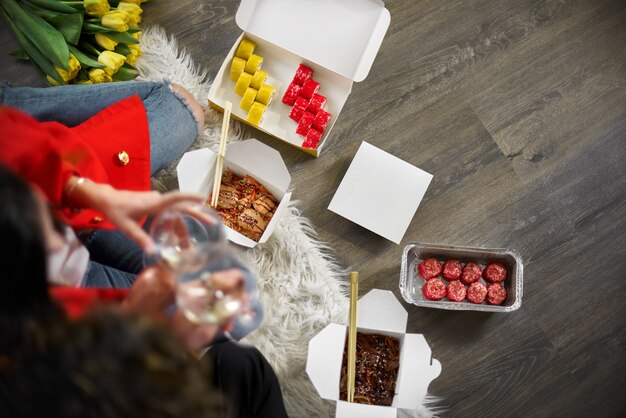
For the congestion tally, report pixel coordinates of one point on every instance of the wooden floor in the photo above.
(518, 109)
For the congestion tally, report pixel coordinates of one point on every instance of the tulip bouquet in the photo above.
(82, 42)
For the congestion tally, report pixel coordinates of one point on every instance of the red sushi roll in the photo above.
(434, 289)
(321, 120)
(316, 103)
(429, 268)
(476, 292)
(303, 73)
(298, 108)
(451, 270)
(456, 291)
(496, 294)
(291, 94)
(495, 272)
(312, 139)
(471, 273)
(305, 123)
(309, 87)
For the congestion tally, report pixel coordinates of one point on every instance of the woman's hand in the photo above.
(125, 208)
(153, 290)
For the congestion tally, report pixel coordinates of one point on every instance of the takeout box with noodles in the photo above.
(378, 312)
(264, 164)
(337, 39)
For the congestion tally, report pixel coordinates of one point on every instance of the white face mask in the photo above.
(68, 265)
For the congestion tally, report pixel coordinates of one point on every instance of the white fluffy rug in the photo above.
(300, 285)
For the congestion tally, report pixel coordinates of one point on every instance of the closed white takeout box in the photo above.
(359, 199)
(196, 171)
(337, 39)
(381, 313)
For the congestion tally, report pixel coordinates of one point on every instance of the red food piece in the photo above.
(291, 94)
(316, 103)
(312, 139)
(321, 120)
(471, 273)
(298, 108)
(496, 294)
(476, 292)
(451, 270)
(309, 88)
(495, 272)
(429, 268)
(305, 123)
(434, 289)
(303, 73)
(456, 291)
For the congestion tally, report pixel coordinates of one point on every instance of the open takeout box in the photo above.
(338, 39)
(196, 171)
(377, 312)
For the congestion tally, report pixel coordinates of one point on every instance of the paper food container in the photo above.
(377, 312)
(358, 196)
(196, 171)
(411, 282)
(338, 39)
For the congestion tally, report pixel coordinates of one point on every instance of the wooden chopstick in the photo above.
(354, 295)
(219, 164)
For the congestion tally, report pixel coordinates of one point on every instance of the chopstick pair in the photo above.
(354, 295)
(219, 164)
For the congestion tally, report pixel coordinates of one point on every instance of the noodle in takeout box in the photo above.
(379, 312)
(262, 163)
(336, 39)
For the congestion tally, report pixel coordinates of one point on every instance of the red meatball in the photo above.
(495, 272)
(471, 273)
(434, 289)
(476, 292)
(456, 291)
(429, 268)
(451, 270)
(496, 294)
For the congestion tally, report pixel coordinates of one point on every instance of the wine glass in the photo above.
(193, 244)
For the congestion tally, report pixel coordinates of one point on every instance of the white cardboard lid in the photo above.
(195, 173)
(380, 192)
(341, 35)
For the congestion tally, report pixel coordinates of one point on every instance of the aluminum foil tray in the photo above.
(411, 283)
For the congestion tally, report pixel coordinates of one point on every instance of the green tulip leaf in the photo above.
(42, 35)
(20, 54)
(84, 59)
(70, 26)
(122, 49)
(125, 74)
(42, 63)
(54, 5)
(122, 37)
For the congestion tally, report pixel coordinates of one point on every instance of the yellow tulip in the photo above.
(116, 19)
(105, 42)
(133, 10)
(84, 82)
(74, 66)
(135, 52)
(96, 7)
(112, 60)
(98, 75)
(132, 1)
(52, 81)
(137, 35)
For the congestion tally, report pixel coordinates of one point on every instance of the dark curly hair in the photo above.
(106, 365)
